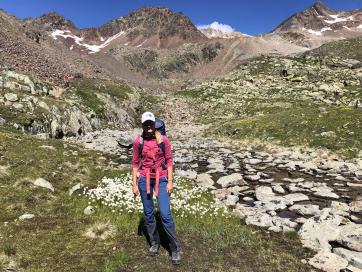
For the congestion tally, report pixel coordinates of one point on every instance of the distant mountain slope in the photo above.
(348, 49)
(34, 52)
(319, 24)
(157, 48)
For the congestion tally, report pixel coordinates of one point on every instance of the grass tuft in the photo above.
(120, 259)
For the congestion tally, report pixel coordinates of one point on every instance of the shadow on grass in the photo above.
(142, 231)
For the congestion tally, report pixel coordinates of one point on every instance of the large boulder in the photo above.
(231, 180)
(354, 258)
(318, 231)
(350, 236)
(328, 262)
(205, 180)
(11, 97)
(260, 219)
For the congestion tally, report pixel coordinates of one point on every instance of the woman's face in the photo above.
(149, 128)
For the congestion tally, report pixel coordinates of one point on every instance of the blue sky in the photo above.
(251, 17)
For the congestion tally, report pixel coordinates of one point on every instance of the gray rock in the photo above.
(295, 180)
(325, 191)
(43, 183)
(26, 216)
(350, 236)
(307, 209)
(300, 220)
(231, 200)
(272, 205)
(253, 177)
(125, 141)
(76, 187)
(252, 161)
(236, 190)
(318, 231)
(328, 262)
(278, 189)
(89, 210)
(267, 181)
(297, 197)
(354, 185)
(2, 121)
(354, 258)
(231, 180)
(190, 174)
(259, 219)
(205, 180)
(340, 206)
(285, 223)
(220, 193)
(234, 166)
(264, 193)
(18, 106)
(11, 97)
(356, 206)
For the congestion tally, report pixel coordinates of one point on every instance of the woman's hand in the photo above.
(135, 190)
(170, 187)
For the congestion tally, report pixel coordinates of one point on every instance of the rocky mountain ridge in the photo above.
(157, 48)
(319, 24)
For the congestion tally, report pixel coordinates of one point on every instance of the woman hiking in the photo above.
(152, 174)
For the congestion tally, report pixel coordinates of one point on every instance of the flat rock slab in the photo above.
(350, 236)
(318, 231)
(328, 262)
(354, 258)
(325, 191)
(231, 180)
(307, 209)
(253, 177)
(205, 180)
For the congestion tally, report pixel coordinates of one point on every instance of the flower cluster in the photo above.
(187, 199)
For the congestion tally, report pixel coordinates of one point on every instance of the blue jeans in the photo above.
(163, 201)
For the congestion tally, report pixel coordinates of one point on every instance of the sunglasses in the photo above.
(148, 123)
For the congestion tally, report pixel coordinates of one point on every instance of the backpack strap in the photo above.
(140, 146)
(160, 143)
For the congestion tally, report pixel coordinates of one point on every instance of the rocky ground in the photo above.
(281, 192)
(295, 189)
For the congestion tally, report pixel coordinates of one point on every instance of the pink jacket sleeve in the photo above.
(168, 153)
(136, 155)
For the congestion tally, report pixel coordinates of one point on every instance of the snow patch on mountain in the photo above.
(338, 19)
(317, 33)
(79, 40)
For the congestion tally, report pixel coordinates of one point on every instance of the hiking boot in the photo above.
(153, 251)
(176, 257)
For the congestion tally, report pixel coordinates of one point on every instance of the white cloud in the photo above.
(218, 26)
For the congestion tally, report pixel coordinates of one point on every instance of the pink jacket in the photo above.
(150, 147)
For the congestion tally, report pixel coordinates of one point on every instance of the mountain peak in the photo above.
(155, 23)
(321, 8)
(51, 21)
